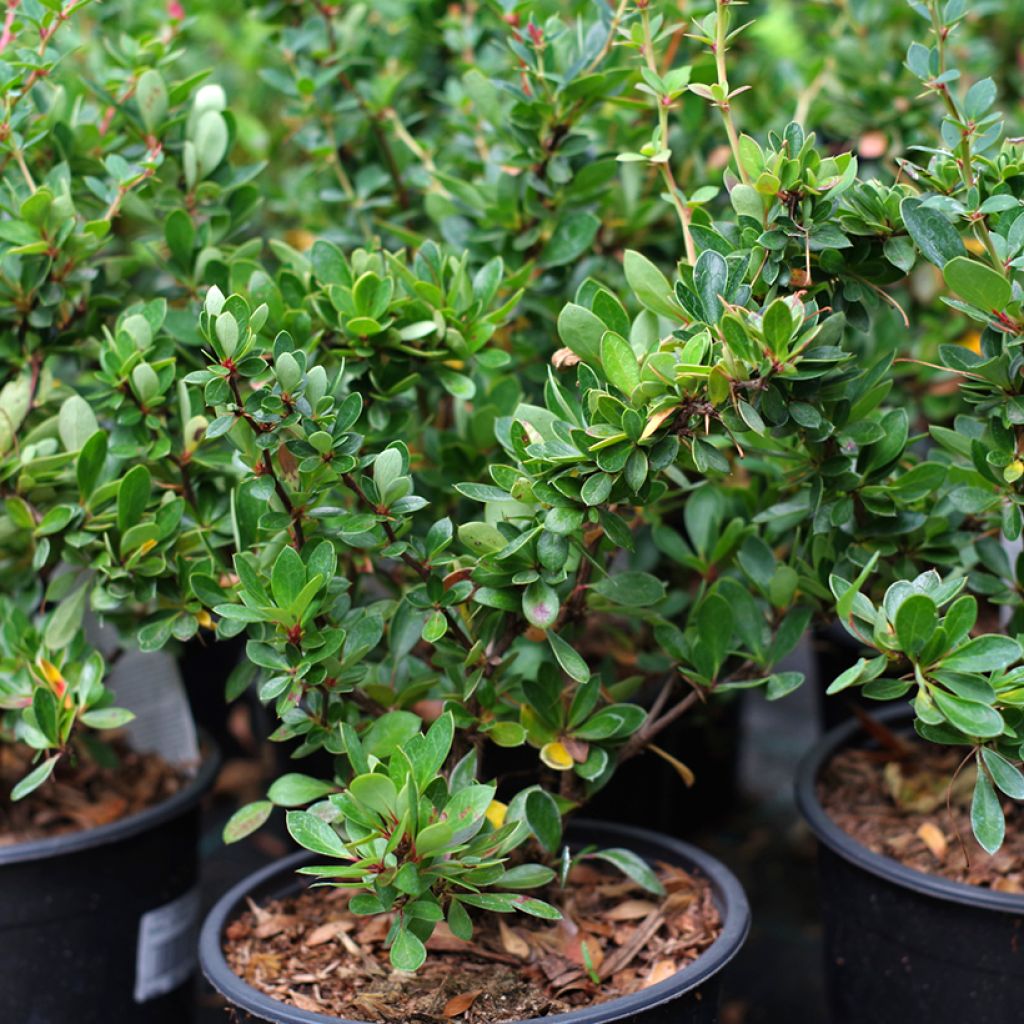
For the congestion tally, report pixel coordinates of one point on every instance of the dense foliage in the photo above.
(524, 395)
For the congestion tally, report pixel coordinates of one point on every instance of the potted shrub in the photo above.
(918, 831)
(414, 596)
(115, 178)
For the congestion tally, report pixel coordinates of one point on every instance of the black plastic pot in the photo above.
(901, 945)
(99, 926)
(690, 997)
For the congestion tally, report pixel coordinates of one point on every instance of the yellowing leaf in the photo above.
(52, 675)
(496, 812)
(554, 755)
(685, 772)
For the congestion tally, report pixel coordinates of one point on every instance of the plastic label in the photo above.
(166, 949)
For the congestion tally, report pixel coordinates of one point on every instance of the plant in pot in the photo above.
(405, 616)
(103, 150)
(918, 829)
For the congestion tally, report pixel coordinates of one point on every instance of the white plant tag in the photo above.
(166, 949)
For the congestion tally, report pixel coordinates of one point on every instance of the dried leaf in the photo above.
(460, 1003)
(661, 971)
(630, 910)
(513, 943)
(932, 837)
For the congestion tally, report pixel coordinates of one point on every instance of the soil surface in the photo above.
(911, 809)
(83, 795)
(310, 952)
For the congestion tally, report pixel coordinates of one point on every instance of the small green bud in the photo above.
(214, 301)
(259, 318)
(316, 384)
(227, 334)
(137, 328)
(145, 382)
(288, 371)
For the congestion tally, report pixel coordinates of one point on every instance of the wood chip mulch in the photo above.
(897, 807)
(310, 952)
(83, 795)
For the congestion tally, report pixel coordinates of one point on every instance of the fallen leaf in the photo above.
(630, 910)
(661, 971)
(461, 1003)
(304, 1002)
(513, 943)
(323, 933)
(932, 837)
(273, 924)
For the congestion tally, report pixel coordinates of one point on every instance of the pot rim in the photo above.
(727, 892)
(124, 828)
(844, 845)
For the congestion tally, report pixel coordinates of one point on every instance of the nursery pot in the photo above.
(99, 925)
(690, 997)
(902, 945)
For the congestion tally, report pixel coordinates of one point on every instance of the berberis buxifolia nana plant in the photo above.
(405, 617)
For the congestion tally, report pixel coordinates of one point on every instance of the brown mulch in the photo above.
(898, 808)
(308, 951)
(81, 795)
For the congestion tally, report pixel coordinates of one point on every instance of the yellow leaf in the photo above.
(685, 773)
(656, 421)
(554, 755)
(972, 340)
(204, 619)
(496, 812)
(147, 545)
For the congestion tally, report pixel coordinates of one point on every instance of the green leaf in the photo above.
(526, 876)
(987, 819)
(180, 234)
(288, 577)
(536, 908)
(459, 921)
(375, 791)
(66, 618)
(650, 286)
(581, 331)
(407, 952)
(246, 820)
(916, 621)
(133, 496)
(544, 819)
(295, 790)
(151, 95)
(631, 589)
(313, 833)
(970, 717)
(107, 718)
(778, 326)
(90, 463)
(937, 239)
(572, 663)
(1006, 775)
(988, 653)
(211, 141)
(76, 423)
(573, 236)
(618, 360)
(710, 278)
(977, 284)
(633, 867)
(44, 707)
(35, 778)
